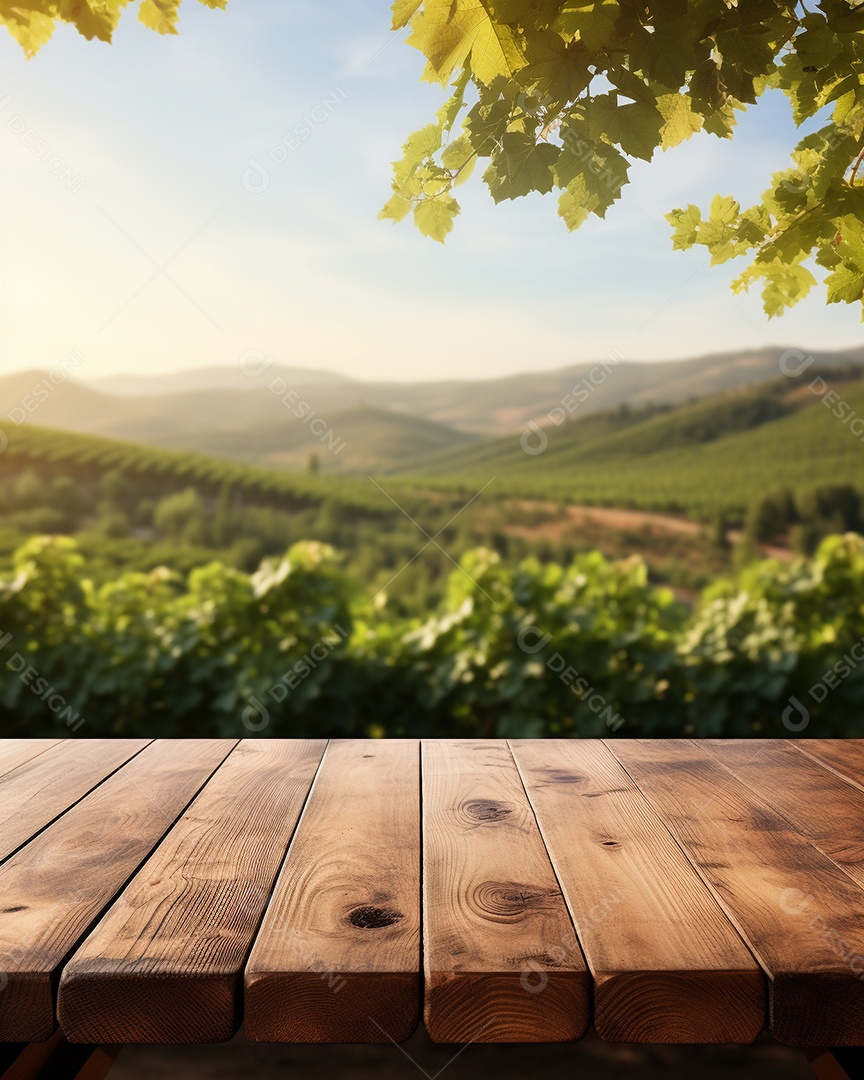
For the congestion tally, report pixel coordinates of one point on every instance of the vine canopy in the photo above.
(563, 96)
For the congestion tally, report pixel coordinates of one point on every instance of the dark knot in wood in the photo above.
(373, 918)
(486, 810)
(507, 900)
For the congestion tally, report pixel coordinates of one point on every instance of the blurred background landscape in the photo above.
(269, 465)
(609, 548)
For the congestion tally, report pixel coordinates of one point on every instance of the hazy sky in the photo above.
(158, 132)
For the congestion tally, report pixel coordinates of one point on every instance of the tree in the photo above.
(28, 490)
(68, 497)
(564, 95)
(181, 514)
(771, 516)
(718, 534)
(838, 503)
(113, 486)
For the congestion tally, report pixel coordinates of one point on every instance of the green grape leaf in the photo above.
(845, 285)
(594, 23)
(434, 217)
(160, 15)
(679, 119)
(521, 166)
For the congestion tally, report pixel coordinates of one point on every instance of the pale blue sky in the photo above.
(157, 133)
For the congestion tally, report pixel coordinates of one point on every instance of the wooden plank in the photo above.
(802, 917)
(844, 756)
(36, 792)
(337, 958)
(668, 966)
(15, 752)
(502, 962)
(164, 965)
(53, 889)
(816, 801)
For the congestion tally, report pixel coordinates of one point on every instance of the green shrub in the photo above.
(296, 648)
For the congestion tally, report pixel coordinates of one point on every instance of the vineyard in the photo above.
(298, 648)
(714, 456)
(85, 454)
(132, 507)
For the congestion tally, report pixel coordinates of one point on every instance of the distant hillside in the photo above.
(214, 377)
(715, 455)
(221, 411)
(480, 406)
(495, 407)
(363, 439)
(255, 427)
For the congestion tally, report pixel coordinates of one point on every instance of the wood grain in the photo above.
(15, 752)
(337, 958)
(843, 756)
(668, 966)
(53, 888)
(802, 916)
(164, 965)
(502, 961)
(816, 801)
(39, 790)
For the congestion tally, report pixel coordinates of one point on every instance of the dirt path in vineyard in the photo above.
(618, 519)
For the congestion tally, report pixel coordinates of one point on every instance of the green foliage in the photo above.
(563, 96)
(840, 504)
(718, 534)
(295, 648)
(771, 516)
(32, 22)
(125, 469)
(779, 632)
(715, 456)
(181, 515)
(824, 510)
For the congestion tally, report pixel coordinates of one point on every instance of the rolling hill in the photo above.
(196, 380)
(712, 456)
(221, 411)
(362, 440)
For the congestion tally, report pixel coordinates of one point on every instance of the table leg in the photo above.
(55, 1059)
(837, 1062)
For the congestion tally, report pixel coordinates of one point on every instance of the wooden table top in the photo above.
(663, 891)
